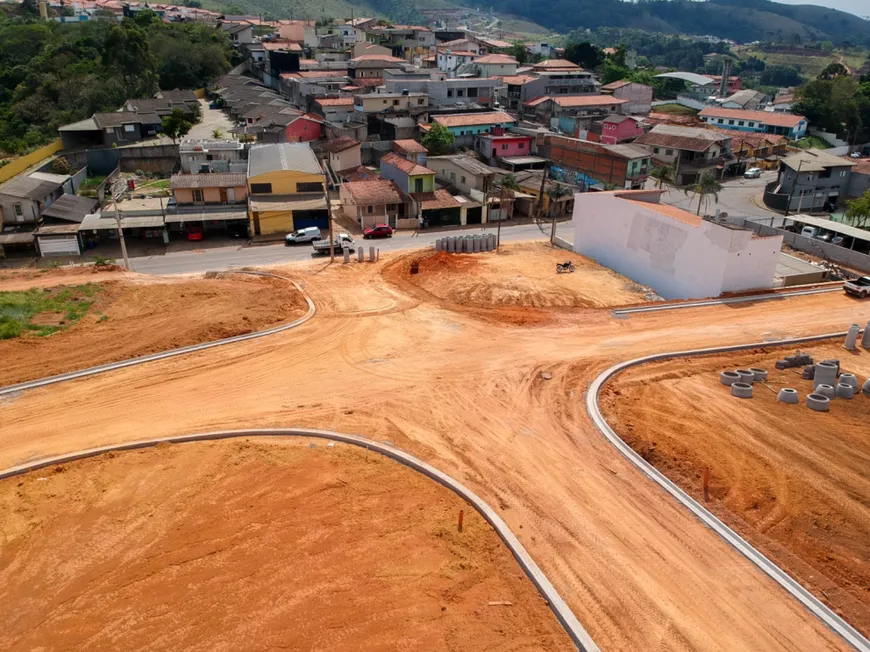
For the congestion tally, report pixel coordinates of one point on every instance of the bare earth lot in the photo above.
(135, 316)
(794, 482)
(463, 389)
(248, 545)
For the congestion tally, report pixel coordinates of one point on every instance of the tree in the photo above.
(128, 52)
(556, 193)
(858, 210)
(519, 52)
(613, 72)
(662, 174)
(176, 125)
(584, 54)
(217, 134)
(60, 166)
(509, 182)
(833, 70)
(706, 185)
(438, 140)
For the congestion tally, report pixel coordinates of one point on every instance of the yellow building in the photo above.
(286, 189)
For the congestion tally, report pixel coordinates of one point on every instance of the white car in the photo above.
(308, 234)
(752, 173)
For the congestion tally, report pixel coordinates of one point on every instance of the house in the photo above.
(23, 198)
(203, 189)
(298, 87)
(639, 96)
(590, 164)
(109, 129)
(746, 99)
(519, 89)
(163, 107)
(753, 149)
(573, 112)
(335, 109)
(444, 93)
(496, 65)
(376, 201)
(449, 61)
(361, 48)
(411, 177)
(691, 151)
(783, 102)
(211, 155)
(469, 177)
(734, 83)
(57, 235)
(465, 126)
(286, 187)
(371, 66)
(406, 41)
(561, 77)
(460, 44)
(179, 96)
(526, 202)
(784, 124)
(859, 178)
(809, 181)
(620, 129)
(393, 103)
(436, 207)
(239, 33)
(344, 154)
(493, 147)
(673, 251)
(411, 150)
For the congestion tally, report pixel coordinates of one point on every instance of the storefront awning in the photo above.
(104, 222)
(206, 216)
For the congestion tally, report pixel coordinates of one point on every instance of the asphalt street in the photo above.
(736, 197)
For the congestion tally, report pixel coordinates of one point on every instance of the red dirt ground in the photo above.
(253, 545)
(792, 481)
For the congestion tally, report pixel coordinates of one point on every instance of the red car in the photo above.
(194, 233)
(378, 231)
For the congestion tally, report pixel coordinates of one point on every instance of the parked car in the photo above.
(339, 242)
(378, 231)
(194, 233)
(308, 234)
(752, 173)
(860, 287)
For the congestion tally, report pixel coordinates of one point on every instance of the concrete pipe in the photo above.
(361, 255)
(741, 390)
(852, 337)
(439, 245)
(849, 379)
(746, 376)
(758, 374)
(825, 390)
(865, 389)
(371, 254)
(845, 391)
(865, 340)
(475, 245)
(826, 374)
(729, 377)
(818, 402)
(788, 395)
(346, 255)
(451, 245)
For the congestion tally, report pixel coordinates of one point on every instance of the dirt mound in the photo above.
(794, 482)
(22, 279)
(133, 318)
(223, 546)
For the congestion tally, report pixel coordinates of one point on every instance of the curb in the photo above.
(112, 366)
(834, 622)
(559, 607)
(718, 302)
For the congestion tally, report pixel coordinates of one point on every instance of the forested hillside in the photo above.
(52, 74)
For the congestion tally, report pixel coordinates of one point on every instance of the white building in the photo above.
(676, 253)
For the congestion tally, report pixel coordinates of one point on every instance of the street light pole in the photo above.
(117, 191)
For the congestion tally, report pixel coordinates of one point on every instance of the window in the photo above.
(197, 196)
(209, 157)
(720, 121)
(460, 92)
(309, 187)
(395, 102)
(462, 179)
(504, 147)
(420, 101)
(669, 152)
(261, 188)
(730, 122)
(740, 123)
(129, 127)
(449, 92)
(391, 208)
(655, 150)
(472, 92)
(18, 211)
(384, 101)
(751, 124)
(453, 176)
(418, 185)
(842, 173)
(370, 209)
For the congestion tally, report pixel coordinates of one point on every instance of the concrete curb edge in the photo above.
(162, 355)
(807, 599)
(559, 607)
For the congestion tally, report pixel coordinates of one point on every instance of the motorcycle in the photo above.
(565, 268)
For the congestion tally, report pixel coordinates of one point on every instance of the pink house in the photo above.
(304, 128)
(493, 146)
(620, 129)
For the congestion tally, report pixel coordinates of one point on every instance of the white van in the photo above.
(809, 232)
(308, 234)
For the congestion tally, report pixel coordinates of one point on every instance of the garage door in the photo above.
(59, 246)
(304, 219)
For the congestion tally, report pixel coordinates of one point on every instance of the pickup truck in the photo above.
(339, 242)
(859, 287)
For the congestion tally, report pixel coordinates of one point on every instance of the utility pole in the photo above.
(540, 207)
(326, 177)
(117, 191)
(794, 185)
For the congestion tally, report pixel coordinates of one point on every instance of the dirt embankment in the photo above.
(518, 283)
(224, 546)
(136, 317)
(795, 483)
(24, 279)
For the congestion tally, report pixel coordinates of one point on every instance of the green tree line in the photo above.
(53, 74)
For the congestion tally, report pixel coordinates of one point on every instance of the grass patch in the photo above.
(89, 186)
(675, 109)
(159, 184)
(43, 311)
(811, 142)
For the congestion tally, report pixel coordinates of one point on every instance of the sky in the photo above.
(857, 7)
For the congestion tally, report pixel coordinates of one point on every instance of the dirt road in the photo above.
(226, 546)
(467, 395)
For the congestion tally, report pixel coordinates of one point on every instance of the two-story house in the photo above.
(436, 207)
(620, 129)
(23, 198)
(376, 201)
(639, 96)
(465, 127)
(211, 155)
(574, 113)
(286, 189)
(591, 164)
(498, 146)
(496, 65)
(809, 181)
(469, 177)
(691, 151)
(344, 154)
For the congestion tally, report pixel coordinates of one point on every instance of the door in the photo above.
(231, 195)
(223, 192)
(59, 246)
(418, 185)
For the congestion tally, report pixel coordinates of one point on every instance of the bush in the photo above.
(102, 261)
(9, 329)
(61, 166)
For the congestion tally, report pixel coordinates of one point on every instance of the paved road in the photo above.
(736, 197)
(191, 262)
